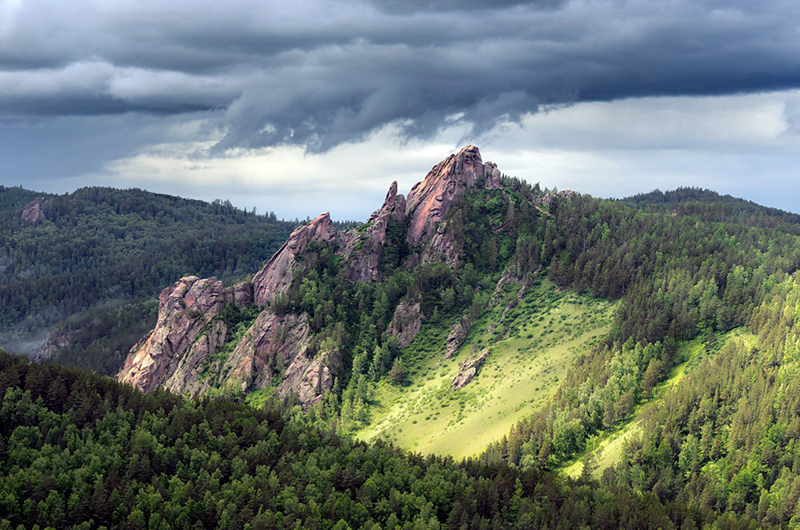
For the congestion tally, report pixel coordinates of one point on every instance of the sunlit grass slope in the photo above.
(531, 351)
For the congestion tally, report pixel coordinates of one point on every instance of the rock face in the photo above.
(406, 323)
(309, 378)
(546, 199)
(186, 310)
(468, 369)
(362, 247)
(34, 212)
(269, 346)
(429, 200)
(456, 337)
(276, 276)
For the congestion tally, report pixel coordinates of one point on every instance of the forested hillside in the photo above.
(76, 271)
(82, 451)
(724, 436)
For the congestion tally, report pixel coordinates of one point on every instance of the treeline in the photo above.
(100, 247)
(714, 207)
(82, 451)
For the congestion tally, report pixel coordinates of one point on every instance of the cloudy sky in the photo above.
(311, 105)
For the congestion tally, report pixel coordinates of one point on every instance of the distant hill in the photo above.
(15, 199)
(711, 206)
(72, 264)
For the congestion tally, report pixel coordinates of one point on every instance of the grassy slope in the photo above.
(544, 335)
(608, 447)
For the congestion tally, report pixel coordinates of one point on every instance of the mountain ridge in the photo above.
(186, 334)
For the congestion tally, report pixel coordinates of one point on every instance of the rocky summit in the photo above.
(194, 348)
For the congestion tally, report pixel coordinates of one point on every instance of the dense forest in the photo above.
(81, 451)
(93, 267)
(725, 437)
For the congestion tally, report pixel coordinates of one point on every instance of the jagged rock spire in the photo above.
(430, 199)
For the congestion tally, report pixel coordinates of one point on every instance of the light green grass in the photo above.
(609, 447)
(531, 352)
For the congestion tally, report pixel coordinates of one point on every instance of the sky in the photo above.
(318, 105)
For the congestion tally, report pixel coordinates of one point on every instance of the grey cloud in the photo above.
(320, 73)
(405, 6)
(791, 116)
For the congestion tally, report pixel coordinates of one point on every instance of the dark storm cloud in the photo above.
(322, 73)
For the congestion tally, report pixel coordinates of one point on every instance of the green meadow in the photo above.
(531, 350)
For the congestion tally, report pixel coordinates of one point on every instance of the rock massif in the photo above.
(187, 331)
(192, 349)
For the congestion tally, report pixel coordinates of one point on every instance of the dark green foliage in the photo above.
(99, 339)
(713, 206)
(14, 200)
(101, 248)
(728, 438)
(81, 451)
(396, 248)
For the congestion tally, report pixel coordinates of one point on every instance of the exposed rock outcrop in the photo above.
(456, 337)
(309, 378)
(194, 373)
(362, 247)
(276, 276)
(185, 310)
(429, 200)
(468, 369)
(546, 199)
(269, 346)
(34, 212)
(191, 350)
(406, 322)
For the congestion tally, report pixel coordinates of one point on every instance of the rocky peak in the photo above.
(275, 277)
(34, 212)
(430, 199)
(362, 247)
(394, 205)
